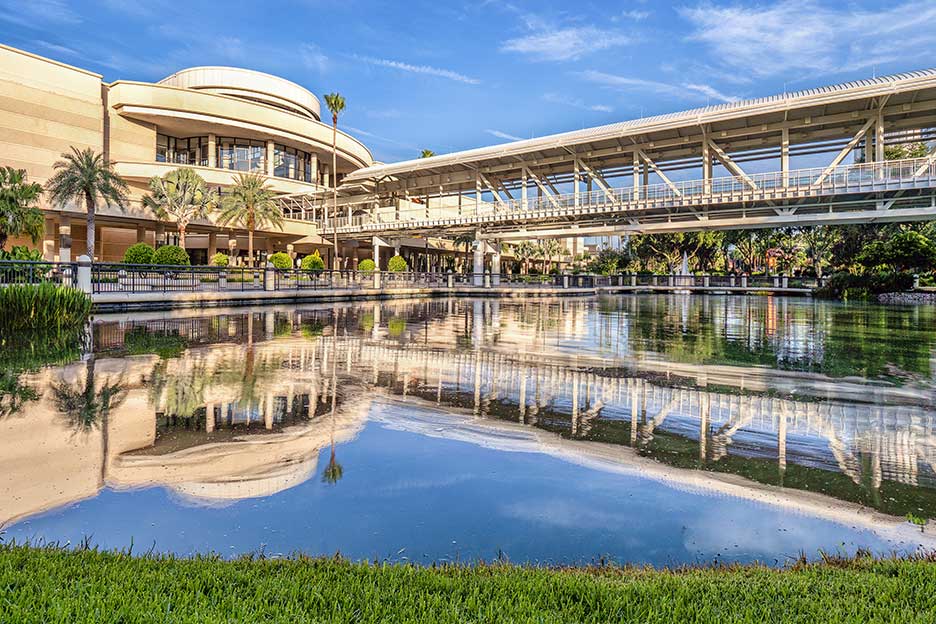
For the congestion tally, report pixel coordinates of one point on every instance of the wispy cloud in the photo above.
(564, 44)
(687, 91)
(632, 15)
(379, 138)
(419, 69)
(565, 100)
(38, 14)
(790, 36)
(503, 135)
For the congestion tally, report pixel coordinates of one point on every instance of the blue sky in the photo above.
(455, 75)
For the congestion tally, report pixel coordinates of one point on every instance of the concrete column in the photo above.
(477, 183)
(212, 244)
(49, 234)
(84, 274)
(496, 268)
(65, 241)
(212, 151)
(636, 174)
(314, 166)
(478, 268)
(375, 242)
(270, 151)
(785, 156)
(576, 182)
(879, 137)
(706, 165)
(523, 189)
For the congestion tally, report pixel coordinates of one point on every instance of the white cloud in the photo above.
(784, 38)
(565, 100)
(632, 14)
(687, 91)
(420, 69)
(313, 58)
(38, 14)
(503, 135)
(563, 44)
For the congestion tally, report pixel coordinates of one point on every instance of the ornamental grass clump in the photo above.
(44, 307)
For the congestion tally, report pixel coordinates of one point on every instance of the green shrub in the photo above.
(171, 255)
(21, 252)
(396, 326)
(366, 266)
(141, 253)
(219, 260)
(46, 307)
(313, 263)
(281, 260)
(848, 286)
(397, 264)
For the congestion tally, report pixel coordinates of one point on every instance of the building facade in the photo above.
(220, 121)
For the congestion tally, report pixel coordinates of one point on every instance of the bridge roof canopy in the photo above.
(833, 107)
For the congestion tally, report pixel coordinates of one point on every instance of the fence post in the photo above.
(269, 277)
(731, 282)
(776, 282)
(565, 280)
(705, 281)
(633, 280)
(744, 281)
(67, 275)
(916, 281)
(669, 280)
(84, 274)
(377, 278)
(450, 279)
(487, 279)
(222, 279)
(785, 282)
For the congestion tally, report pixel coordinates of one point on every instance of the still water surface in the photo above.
(640, 429)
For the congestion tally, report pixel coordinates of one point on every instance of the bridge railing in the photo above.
(860, 177)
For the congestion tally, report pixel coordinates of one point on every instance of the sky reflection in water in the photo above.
(472, 429)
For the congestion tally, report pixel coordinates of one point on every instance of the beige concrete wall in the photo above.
(45, 109)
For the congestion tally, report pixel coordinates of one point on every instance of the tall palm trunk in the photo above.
(181, 236)
(334, 181)
(89, 202)
(251, 224)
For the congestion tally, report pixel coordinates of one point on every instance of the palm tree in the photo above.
(427, 153)
(180, 195)
(333, 471)
(523, 251)
(336, 104)
(250, 204)
(85, 175)
(18, 212)
(465, 239)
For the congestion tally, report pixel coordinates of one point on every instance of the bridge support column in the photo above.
(496, 268)
(478, 267)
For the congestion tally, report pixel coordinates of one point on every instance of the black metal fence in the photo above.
(140, 278)
(28, 272)
(135, 278)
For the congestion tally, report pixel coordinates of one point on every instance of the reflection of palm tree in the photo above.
(87, 407)
(333, 471)
(181, 392)
(13, 394)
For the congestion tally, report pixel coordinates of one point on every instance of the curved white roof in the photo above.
(249, 84)
(719, 112)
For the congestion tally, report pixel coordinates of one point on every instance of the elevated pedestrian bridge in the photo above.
(903, 190)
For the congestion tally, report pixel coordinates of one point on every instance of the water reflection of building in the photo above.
(265, 435)
(595, 373)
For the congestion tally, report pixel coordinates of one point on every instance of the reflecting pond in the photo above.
(636, 428)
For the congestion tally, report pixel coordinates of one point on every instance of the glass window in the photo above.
(241, 154)
(187, 151)
(292, 163)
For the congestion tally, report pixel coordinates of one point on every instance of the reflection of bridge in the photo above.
(677, 172)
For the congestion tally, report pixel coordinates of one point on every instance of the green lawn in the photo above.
(52, 585)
